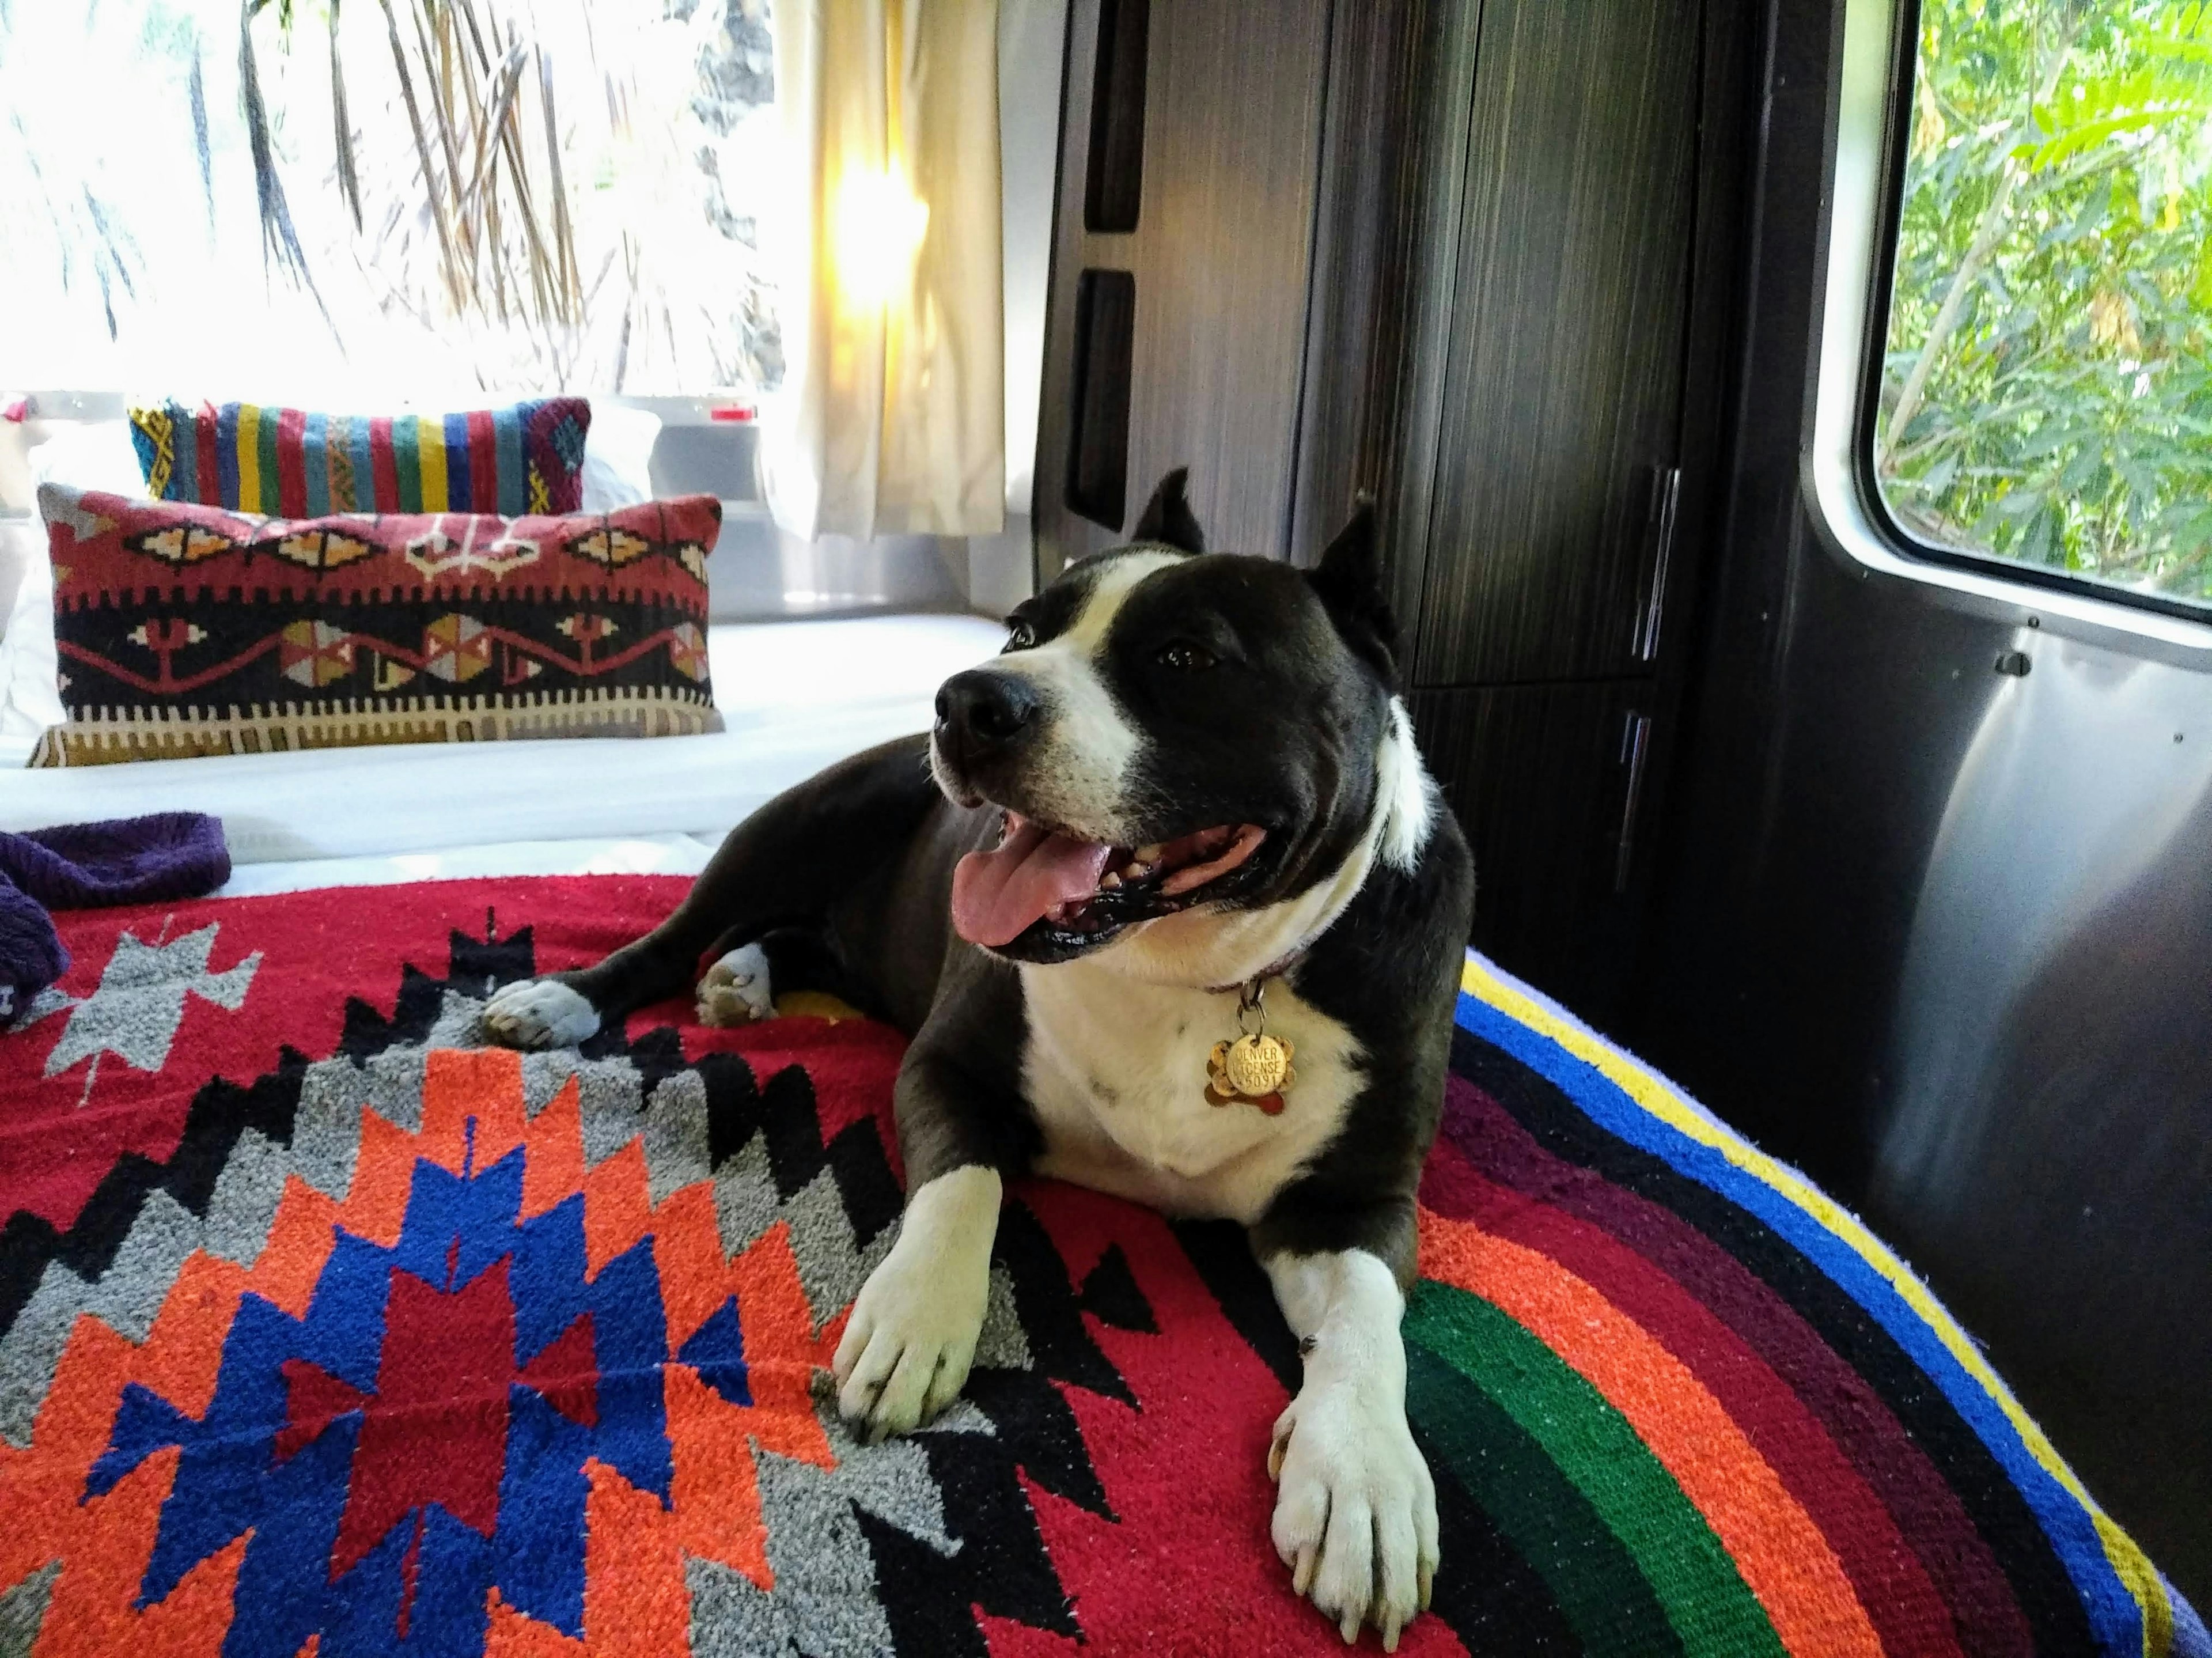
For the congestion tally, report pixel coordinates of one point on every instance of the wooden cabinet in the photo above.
(1549, 781)
(1562, 385)
(1555, 442)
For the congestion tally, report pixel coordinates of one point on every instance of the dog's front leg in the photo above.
(911, 1335)
(913, 1330)
(1355, 1508)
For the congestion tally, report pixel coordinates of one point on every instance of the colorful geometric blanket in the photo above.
(324, 1330)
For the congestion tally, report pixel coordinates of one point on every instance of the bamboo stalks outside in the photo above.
(500, 256)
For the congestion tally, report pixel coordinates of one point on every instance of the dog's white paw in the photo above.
(539, 1013)
(912, 1333)
(736, 990)
(1355, 1508)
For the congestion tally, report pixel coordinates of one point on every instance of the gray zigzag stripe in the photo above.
(23, 1611)
(126, 1297)
(163, 1237)
(326, 1147)
(823, 1604)
(604, 1087)
(675, 1134)
(1003, 1345)
(832, 1263)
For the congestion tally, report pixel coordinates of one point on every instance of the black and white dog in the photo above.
(1185, 798)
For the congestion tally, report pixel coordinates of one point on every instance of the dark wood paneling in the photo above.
(1438, 114)
(1563, 388)
(1540, 777)
(1232, 126)
(1364, 247)
(1719, 321)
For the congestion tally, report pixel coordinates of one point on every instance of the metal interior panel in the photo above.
(2048, 1136)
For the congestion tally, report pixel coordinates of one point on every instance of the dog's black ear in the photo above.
(1167, 516)
(1348, 581)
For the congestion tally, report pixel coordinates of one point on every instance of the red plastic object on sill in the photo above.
(744, 413)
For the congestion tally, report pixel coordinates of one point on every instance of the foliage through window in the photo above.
(351, 203)
(2046, 392)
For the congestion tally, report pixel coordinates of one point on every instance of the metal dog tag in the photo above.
(1254, 1068)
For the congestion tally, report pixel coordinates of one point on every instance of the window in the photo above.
(2045, 391)
(380, 200)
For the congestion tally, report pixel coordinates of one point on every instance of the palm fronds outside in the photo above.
(527, 195)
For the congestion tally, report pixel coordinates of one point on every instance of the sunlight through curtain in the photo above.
(892, 419)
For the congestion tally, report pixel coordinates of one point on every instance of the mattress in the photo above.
(795, 696)
(634, 854)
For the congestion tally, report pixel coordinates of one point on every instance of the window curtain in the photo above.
(891, 420)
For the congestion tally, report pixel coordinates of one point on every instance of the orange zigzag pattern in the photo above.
(636, 1601)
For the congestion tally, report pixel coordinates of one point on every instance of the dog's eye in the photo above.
(1185, 657)
(1020, 636)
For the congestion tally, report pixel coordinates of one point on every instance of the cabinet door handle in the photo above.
(1634, 746)
(1666, 491)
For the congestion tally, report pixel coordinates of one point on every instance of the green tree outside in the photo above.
(2047, 388)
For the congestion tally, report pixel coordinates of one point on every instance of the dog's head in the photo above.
(1169, 730)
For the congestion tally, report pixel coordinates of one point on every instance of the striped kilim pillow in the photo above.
(527, 457)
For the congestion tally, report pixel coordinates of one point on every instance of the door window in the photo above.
(2046, 394)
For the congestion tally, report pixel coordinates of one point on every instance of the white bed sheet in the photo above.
(642, 854)
(795, 696)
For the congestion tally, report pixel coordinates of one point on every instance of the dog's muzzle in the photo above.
(983, 718)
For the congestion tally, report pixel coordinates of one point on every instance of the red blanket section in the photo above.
(1167, 1552)
(314, 951)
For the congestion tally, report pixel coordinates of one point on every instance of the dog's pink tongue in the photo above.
(997, 895)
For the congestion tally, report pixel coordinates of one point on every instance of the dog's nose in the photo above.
(985, 710)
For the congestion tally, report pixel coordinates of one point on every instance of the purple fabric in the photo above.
(31, 953)
(170, 854)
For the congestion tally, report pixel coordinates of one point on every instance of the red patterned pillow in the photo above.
(188, 630)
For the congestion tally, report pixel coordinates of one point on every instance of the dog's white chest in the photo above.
(1115, 1069)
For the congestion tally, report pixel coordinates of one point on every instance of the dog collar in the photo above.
(1274, 969)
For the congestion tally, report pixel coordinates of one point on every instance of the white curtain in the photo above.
(892, 416)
